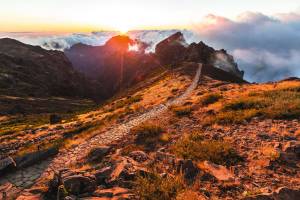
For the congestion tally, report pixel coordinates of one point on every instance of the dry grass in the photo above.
(149, 136)
(279, 103)
(210, 99)
(194, 147)
(188, 195)
(155, 187)
(182, 110)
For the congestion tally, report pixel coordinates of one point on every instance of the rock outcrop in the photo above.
(175, 50)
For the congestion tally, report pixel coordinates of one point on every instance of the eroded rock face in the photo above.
(174, 50)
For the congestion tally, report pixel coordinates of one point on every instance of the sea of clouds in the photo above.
(267, 48)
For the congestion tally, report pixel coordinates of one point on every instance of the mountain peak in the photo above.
(119, 42)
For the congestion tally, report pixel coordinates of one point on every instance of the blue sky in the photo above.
(88, 15)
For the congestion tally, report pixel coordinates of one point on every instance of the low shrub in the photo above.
(175, 90)
(244, 104)
(128, 101)
(272, 104)
(210, 99)
(196, 148)
(149, 135)
(182, 110)
(155, 187)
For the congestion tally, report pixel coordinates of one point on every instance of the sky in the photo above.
(262, 35)
(123, 15)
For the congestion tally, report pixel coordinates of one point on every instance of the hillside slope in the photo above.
(27, 70)
(225, 140)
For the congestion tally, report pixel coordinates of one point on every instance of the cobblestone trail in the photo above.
(26, 178)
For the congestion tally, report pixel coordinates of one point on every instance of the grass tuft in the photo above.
(155, 187)
(283, 103)
(210, 99)
(149, 136)
(181, 111)
(196, 148)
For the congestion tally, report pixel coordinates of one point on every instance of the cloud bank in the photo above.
(267, 48)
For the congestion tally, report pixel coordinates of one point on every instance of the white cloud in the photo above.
(266, 47)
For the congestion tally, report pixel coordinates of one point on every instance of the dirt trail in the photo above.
(26, 178)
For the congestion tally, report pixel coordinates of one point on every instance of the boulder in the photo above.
(139, 156)
(290, 153)
(292, 147)
(34, 157)
(220, 172)
(79, 184)
(6, 164)
(125, 171)
(103, 175)
(284, 193)
(71, 182)
(98, 153)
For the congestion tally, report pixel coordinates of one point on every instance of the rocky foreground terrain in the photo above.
(188, 132)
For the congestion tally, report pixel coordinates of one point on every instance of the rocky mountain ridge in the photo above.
(27, 70)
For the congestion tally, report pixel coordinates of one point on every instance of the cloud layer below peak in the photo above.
(267, 48)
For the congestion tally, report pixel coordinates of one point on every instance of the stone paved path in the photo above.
(23, 179)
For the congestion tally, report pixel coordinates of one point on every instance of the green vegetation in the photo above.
(196, 148)
(272, 104)
(210, 99)
(155, 187)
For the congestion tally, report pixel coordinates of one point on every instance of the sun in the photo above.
(123, 30)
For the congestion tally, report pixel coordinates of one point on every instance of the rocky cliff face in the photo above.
(27, 70)
(174, 50)
(112, 64)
